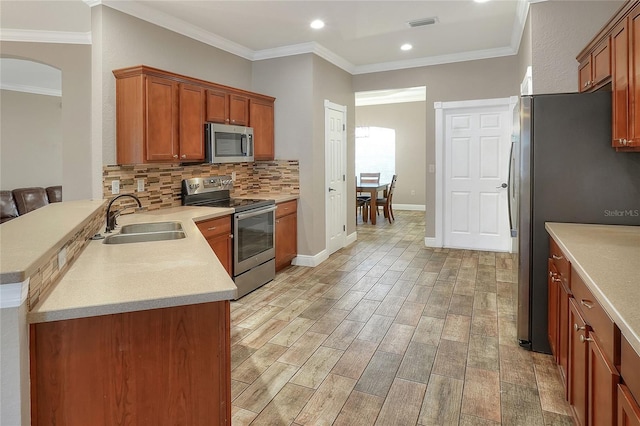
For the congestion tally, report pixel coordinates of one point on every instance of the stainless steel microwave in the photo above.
(228, 144)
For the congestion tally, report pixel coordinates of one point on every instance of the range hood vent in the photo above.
(422, 22)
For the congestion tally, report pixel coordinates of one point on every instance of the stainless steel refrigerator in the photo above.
(563, 169)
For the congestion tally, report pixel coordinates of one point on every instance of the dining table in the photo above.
(373, 189)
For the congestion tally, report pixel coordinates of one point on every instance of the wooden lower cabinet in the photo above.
(603, 382)
(553, 310)
(159, 366)
(628, 409)
(577, 368)
(218, 234)
(286, 233)
(564, 328)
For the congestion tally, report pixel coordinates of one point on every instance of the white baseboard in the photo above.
(432, 242)
(416, 207)
(351, 238)
(311, 261)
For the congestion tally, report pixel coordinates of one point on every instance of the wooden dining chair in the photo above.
(386, 201)
(368, 178)
(362, 203)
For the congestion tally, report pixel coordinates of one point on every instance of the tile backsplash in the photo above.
(162, 181)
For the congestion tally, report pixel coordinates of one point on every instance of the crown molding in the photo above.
(395, 96)
(179, 26)
(39, 36)
(31, 89)
(435, 60)
(522, 10)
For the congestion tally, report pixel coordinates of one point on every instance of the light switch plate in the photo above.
(62, 258)
(115, 187)
(140, 185)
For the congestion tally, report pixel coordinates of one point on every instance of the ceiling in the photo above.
(359, 36)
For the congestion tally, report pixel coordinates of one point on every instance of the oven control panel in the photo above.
(208, 184)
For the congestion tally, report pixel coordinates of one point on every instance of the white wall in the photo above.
(30, 140)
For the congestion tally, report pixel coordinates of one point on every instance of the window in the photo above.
(376, 151)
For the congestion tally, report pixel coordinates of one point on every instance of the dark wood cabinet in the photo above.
(158, 366)
(161, 117)
(620, 83)
(553, 310)
(191, 123)
(262, 121)
(628, 409)
(238, 110)
(218, 234)
(286, 233)
(603, 382)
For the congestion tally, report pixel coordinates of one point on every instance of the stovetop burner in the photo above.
(215, 192)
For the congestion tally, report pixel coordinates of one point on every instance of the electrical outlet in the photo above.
(62, 258)
(140, 185)
(115, 187)
(233, 176)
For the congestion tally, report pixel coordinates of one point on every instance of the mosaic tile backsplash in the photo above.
(162, 181)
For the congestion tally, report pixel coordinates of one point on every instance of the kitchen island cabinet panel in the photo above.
(160, 366)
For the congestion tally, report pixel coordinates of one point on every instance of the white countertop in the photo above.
(607, 258)
(108, 279)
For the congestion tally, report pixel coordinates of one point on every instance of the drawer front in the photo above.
(560, 262)
(629, 362)
(213, 227)
(595, 315)
(286, 208)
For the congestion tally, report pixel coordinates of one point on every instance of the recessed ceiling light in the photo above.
(406, 46)
(481, 1)
(317, 24)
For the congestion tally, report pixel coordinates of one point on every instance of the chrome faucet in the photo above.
(111, 217)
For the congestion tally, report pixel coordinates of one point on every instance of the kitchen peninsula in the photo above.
(131, 332)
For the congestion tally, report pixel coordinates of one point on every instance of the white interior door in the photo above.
(477, 144)
(335, 175)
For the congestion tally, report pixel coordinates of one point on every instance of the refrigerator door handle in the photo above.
(511, 186)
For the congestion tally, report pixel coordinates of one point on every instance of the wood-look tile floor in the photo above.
(389, 332)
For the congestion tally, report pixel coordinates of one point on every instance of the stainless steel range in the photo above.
(253, 229)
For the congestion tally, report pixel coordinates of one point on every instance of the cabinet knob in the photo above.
(175, 155)
(184, 156)
(211, 228)
(584, 339)
(556, 280)
(576, 327)
(556, 257)
(277, 221)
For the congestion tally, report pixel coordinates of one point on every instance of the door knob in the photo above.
(504, 185)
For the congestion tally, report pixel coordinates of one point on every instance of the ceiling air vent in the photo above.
(423, 22)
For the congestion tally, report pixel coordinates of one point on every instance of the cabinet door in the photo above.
(238, 110)
(564, 330)
(553, 309)
(628, 409)
(161, 118)
(620, 83)
(221, 246)
(577, 372)
(191, 123)
(584, 74)
(217, 106)
(634, 53)
(601, 62)
(286, 240)
(603, 382)
(261, 115)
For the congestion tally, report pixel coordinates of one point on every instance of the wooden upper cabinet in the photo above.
(262, 120)
(633, 140)
(620, 82)
(160, 116)
(217, 106)
(594, 70)
(161, 136)
(227, 108)
(191, 123)
(238, 110)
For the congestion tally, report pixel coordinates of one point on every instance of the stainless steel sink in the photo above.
(143, 237)
(143, 228)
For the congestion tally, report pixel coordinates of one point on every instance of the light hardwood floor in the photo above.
(389, 332)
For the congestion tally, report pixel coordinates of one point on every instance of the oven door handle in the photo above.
(257, 212)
